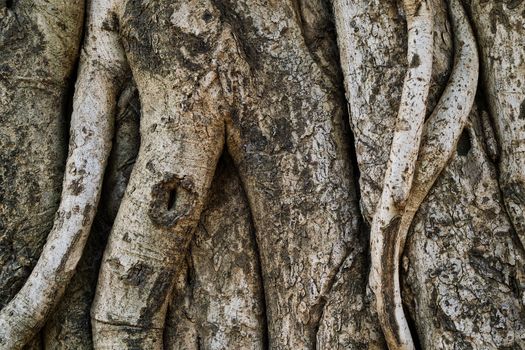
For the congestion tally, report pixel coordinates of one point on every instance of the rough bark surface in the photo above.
(499, 27)
(218, 302)
(230, 214)
(69, 325)
(39, 43)
(461, 297)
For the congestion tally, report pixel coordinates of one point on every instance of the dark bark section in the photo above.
(218, 301)
(287, 118)
(35, 67)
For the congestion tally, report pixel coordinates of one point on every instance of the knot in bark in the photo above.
(173, 199)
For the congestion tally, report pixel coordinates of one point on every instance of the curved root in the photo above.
(413, 106)
(398, 177)
(90, 144)
(398, 206)
(23, 316)
(443, 128)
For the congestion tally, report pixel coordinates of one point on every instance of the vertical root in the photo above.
(392, 221)
(398, 178)
(91, 136)
(443, 128)
(413, 106)
(101, 67)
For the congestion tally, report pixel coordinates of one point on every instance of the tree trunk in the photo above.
(240, 203)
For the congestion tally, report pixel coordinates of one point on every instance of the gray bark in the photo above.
(238, 197)
(39, 47)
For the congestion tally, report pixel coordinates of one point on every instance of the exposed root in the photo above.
(401, 198)
(443, 128)
(413, 106)
(26, 313)
(90, 144)
(398, 178)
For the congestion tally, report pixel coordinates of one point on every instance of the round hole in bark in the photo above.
(172, 199)
(9, 3)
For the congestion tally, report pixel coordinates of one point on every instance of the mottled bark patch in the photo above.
(241, 26)
(157, 296)
(416, 61)
(111, 24)
(165, 35)
(139, 274)
(76, 187)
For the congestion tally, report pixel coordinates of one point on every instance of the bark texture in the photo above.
(499, 27)
(379, 65)
(242, 206)
(38, 50)
(39, 43)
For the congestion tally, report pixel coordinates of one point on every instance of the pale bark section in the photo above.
(442, 132)
(372, 46)
(412, 109)
(444, 126)
(69, 325)
(500, 28)
(182, 133)
(385, 243)
(371, 108)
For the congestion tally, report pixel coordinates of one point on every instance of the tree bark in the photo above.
(242, 204)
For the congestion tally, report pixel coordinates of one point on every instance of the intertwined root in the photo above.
(412, 168)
